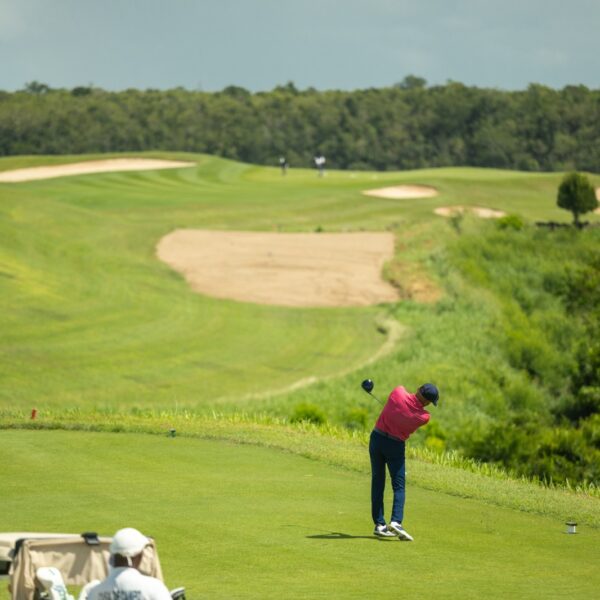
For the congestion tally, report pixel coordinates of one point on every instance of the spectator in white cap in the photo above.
(125, 581)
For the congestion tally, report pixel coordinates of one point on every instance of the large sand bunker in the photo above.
(285, 269)
(484, 213)
(93, 166)
(403, 192)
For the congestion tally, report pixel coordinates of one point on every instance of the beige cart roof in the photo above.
(77, 562)
(8, 540)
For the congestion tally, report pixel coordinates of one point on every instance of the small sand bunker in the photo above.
(284, 269)
(403, 192)
(484, 213)
(93, 166)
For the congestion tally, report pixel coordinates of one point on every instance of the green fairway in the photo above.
(92, 319)
(237, 521)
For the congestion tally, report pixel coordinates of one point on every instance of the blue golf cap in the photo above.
(430, 392)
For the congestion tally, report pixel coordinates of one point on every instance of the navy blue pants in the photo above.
(387, 451)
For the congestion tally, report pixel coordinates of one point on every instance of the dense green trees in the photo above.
(547, 285)
(409, 125)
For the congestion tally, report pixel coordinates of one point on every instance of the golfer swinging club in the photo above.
(402, 415)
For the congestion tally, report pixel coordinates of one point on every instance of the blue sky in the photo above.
(326, 44)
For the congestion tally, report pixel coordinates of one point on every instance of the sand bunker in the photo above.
(403, 192)
(484, 213)
(93, 166)
(284, 269)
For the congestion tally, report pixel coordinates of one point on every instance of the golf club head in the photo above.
(367, 385)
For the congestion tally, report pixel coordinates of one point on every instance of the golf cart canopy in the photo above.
(8, 542)
(79, 558)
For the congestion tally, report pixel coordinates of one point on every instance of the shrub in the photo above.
(510, 222)
(552, 454)
(356, 418)
(456, 220)
(585, 404)
(435, 444)
(590, 430)
(528, 349)
(308, 413)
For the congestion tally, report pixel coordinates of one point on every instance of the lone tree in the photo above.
(576, 194)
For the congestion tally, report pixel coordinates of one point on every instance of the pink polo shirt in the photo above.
(402, 415)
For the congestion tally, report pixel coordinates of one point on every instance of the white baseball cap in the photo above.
(128, 542)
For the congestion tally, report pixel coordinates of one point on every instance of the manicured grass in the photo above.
(94, 319)
(448, 473)
(91, 318)
(243, 521)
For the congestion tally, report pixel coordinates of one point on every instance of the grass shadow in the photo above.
(337, 535)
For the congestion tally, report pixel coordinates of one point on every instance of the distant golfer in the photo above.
(320, 164)
(401, 416)
(283, 163)
(124, 581)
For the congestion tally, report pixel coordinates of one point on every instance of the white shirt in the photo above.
(127, 583)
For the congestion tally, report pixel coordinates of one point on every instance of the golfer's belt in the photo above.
(388, 435)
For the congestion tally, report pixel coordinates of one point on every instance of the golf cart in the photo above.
(40, 566)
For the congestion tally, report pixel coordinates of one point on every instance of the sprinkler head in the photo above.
(571, 527)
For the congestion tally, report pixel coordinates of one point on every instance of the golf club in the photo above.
(368, 386)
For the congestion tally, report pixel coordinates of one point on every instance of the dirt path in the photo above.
(93, 166)
(285, 269)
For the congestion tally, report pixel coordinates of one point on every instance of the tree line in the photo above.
(406, 126)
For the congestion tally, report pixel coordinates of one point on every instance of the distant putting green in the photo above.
(92, 319)
(237, 521)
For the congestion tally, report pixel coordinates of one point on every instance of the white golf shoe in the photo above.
(382, 531)
(398, 530)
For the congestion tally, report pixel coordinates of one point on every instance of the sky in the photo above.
(326, 44)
